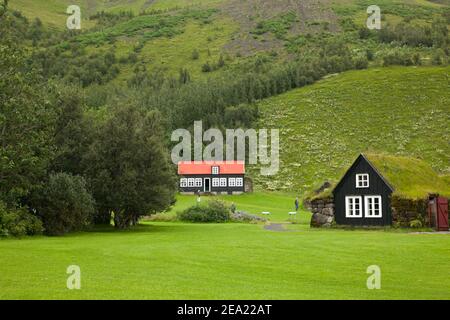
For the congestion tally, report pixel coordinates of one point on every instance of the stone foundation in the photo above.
(323, 212)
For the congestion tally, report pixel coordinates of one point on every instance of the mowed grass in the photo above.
(278, 204)
(174, 260)
(226, 261)
(324, 127)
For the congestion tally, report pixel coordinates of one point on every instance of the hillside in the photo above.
(164, 35)
(400, 111)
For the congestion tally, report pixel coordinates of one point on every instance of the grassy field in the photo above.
(323, 127)
(172, 260)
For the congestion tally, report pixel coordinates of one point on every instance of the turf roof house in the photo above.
(211, 177)
(379, 190)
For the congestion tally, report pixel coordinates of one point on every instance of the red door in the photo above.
(442, 214)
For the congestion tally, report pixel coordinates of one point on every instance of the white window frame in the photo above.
(362, 180)
(369, 204)
(239, 182)
(215, 182)
(183, 182)
(350, 200)
(223, 182)
(232, 182)
(198, 182)
(191, 182)
(215, 170)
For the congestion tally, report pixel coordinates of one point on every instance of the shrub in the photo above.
(195, 55)
(18, 222)
(207, 67)
(64, 204)
(416, 224)
(213, 211)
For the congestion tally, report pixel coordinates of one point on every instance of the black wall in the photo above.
(347, 187)
(226, 189)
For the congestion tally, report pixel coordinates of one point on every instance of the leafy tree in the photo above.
(64, 204)
(129, 167)
(26, 125)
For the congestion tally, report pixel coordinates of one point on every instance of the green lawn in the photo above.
(171, 260)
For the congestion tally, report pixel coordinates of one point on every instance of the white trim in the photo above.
(350, 207)
(215, 182)
(183, 182)
(198, 182)
(215, 170)
(362, 180)
(232, 182)
(239, 182)
(223, 182)
(191, 182)
(369, 207)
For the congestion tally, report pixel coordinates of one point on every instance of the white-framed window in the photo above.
(239, 182)
(191, 182)
(215, 182)
(183, 182)
(223, 182)
(362, 180)
(372, 207)
(353, 207)
(215, 170)
(232, 182)
(198, 182)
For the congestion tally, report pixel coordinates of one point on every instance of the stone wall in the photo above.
(323, 212)
(405, 210)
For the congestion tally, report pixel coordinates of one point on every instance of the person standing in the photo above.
(296, 204)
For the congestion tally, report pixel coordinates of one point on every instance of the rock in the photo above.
(318, 220)
(328, 211)
(246, 217)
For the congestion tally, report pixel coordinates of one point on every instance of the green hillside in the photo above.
(236, 30)
(400, 111)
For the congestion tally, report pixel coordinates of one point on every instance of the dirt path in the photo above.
(278, 227)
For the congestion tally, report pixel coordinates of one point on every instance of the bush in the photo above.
(64, 204)
(195, 55)
(213, 211)
(18, 222)
(416, 224)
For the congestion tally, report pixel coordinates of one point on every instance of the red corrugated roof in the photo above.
(204, 167)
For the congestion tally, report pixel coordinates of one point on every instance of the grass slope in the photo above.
(228, 261)
(412, 178)
(399, 111)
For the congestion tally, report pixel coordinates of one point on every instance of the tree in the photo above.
(129, 168)
(73, 132)
(26, 125)
(65, 204)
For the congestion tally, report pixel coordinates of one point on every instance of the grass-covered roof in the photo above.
(410, 177)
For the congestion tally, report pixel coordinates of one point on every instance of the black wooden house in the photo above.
(213, 177)
(362, 196)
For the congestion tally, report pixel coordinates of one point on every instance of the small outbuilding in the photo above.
(213, 177)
